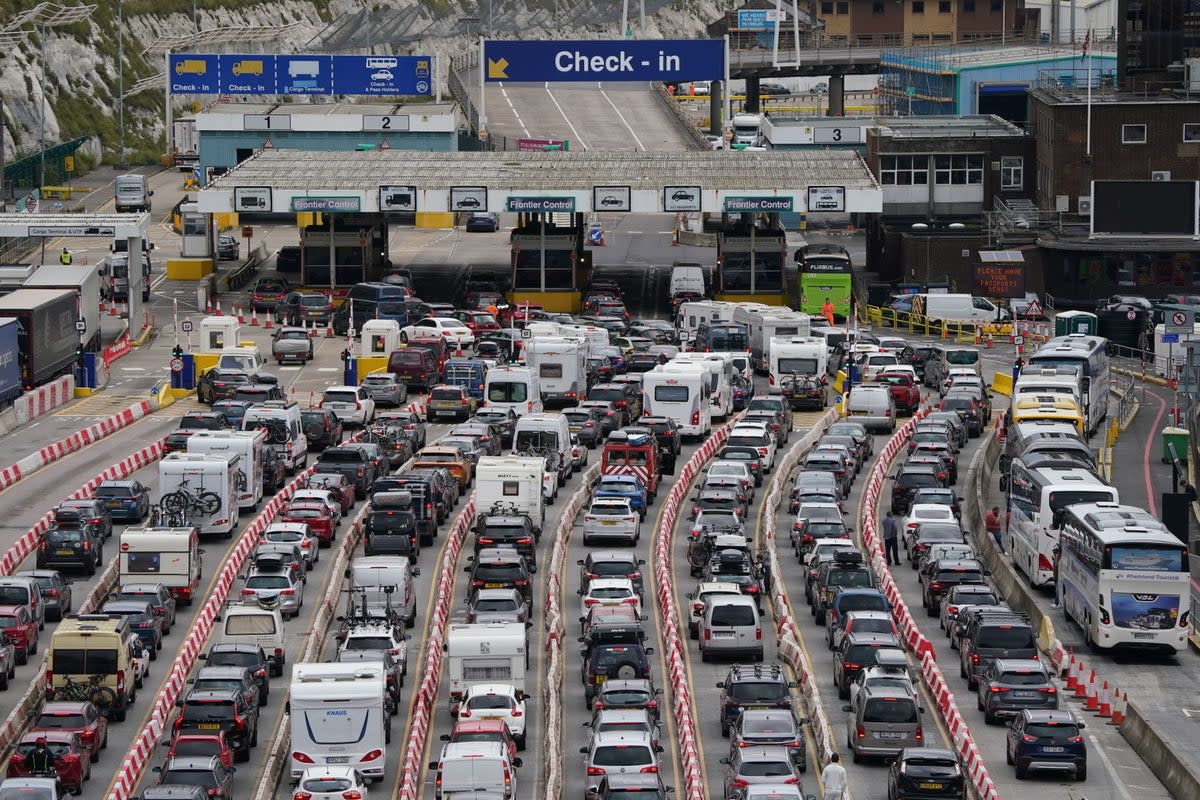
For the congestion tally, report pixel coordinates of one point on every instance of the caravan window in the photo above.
(250, 625)
(800, 366)
(508, 392)
(487, 669)
(671, 394)
(551, 370)
(142, 562)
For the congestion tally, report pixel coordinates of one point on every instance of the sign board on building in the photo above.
(327, 204)
(544, 205)
(827, 198)
(850, 134)
(385, 122)
(71, 230)
(537, 145)
(381, 75)
(611, 198)
(1177, 322)
(640, 60)
(468, 198)
(734, 205)
(996, 279)
(267, 122)
(397, 198)
(681, 198)
(758, 19)
(1170, 338)
(252, 198)
(1144, 208)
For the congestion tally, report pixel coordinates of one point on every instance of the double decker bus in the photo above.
(824, 272)
(1124, 577)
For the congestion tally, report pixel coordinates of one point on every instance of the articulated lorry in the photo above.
(84, 280)
(46, 335)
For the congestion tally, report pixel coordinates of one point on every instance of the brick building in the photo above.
(920, 22)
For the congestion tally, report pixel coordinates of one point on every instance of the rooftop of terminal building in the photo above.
(1071, 87)
(953, 59)
(720, 170)
(324, 109)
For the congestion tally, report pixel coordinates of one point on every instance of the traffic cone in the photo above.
(112, 308)
(1118, 715)
(1072, 685)
(1105, 701)
(328, 330)
(1093, 697)
(218, 311)
(978, 337)
(458, 351)
(241, 315)
(253, 317)
(208, 309)
(311, 327)
(1080, 682)
(675, 237)
(268, 323)
(989, 342)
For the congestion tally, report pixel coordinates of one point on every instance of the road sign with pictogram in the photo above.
(1178, 322)
(176, 365)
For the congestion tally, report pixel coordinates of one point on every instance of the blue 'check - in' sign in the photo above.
(665, 60)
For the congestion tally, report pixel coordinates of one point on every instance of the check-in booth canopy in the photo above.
(219, 333)
(380, 337)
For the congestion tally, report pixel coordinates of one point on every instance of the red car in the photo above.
(71, 760)
(482, 730)
(20, 629)
(337, 483)
(477, 321)
(316, 517)
(201, 745)
(520, 314)
(74, 717)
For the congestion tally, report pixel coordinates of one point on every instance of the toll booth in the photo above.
(216, 335)
(379, 338)
(342, 250)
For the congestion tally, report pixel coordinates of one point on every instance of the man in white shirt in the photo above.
(834, 779)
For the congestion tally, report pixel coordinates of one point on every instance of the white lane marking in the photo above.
(621, 116)
(329, 369)
(570, 124)
(508, 99)
(134, 369)
(1108, 766)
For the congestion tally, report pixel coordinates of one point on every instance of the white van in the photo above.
(170, 556)
(730, 626)
(251, 623)
(373, 574)
(686, 278)
(339, 717)
(512, 388)
(873, 406)
(248, 445)
(285, 430)
(475, 770)
(680, 393)
(561, 365)
(200, 477)
(488, 652)
(511, 481)
(957, 308)
(546, 433)
(244, 355)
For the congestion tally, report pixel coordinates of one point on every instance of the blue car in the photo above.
(1041, 739)
(628, 486)
(125, 500)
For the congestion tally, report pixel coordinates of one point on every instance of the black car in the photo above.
(946, 573)
(770, 88)
(618, 661)
(599, 370)
(928, 773)
(234, 411)
(758, 686)
(303, 308)
(142, 621)
(240, 679)
(353, 462)
(856, 652)
(70, 544)
(322, 427)
(584, 423)
(250, 656)
(500, 568)
(90, 511)
(189, 424)
(267, 292)
(911, 478)
(221, 384)
(666, 431)
(626, 397)
(229, 711)
(274, 470)
(410, 424)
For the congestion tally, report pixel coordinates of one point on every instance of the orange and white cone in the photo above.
(1072, 685)
(253, 317)
(218, 311)
(1105, 701)
(1119, 704)
(328, 329)
(208, 309)
(1093, 697)
(269, 321)
(312, 329)
(675, 237)
(1080, 681)
(240, 314)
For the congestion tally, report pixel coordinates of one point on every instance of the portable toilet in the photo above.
(1069, 322)
(380, 337)
(216, 334)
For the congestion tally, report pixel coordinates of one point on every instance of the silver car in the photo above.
(497, 605)
(291, 344)
(296, 533)
(386, 389)
(611, 519)
(274, 580)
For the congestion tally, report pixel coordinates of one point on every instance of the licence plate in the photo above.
(113, 504)
(601, 679)
(491, 716)
(209, 726)
(858, 413)
(493, 586)
(65, 551)
(608, 522)
(889, 735)
(723, 634)
(933, 786)
(1142, 635)
(405, 377)
(1023, 695)
(1053, 749)
(338, 760)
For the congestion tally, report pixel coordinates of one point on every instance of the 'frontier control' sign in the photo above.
(757, 204)
(605, 60)
(543, 204)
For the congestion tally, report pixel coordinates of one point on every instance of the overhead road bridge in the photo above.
(553, 194)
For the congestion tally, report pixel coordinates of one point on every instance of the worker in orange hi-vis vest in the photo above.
(827, 311)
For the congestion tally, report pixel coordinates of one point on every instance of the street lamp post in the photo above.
(121, 77)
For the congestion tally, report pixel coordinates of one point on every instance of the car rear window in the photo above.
(890, 710)
(341, 397)
(499, 572)
(756, 691)
(1023, 677)
(60, 721)
(730, 616)
(747, 441)
(622, 755)
(113, 491)
(1058, 732)
(64, 536)
(446, 394)
(849, 577)
(863, 602)
(1006, 637)
(202, 711)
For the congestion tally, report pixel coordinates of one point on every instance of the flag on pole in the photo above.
(1087, 40)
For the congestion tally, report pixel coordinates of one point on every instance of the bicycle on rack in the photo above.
(703, 545)
(188, 503)
(92, 689)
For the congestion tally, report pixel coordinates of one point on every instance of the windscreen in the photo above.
(1061, 498)
(800, 366)
(622, 756)
(250, 625)
(508, 392)
(671, 394)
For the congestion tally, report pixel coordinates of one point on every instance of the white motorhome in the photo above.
(195, 478)
(795, 355)
(491, 652)
(512, 388)
(251, 623)
(766, 322)
(170, 556)
(721, 371)
(339, 716)
(747, 128)
(284, 428)
(385, 582)
(691, 315)
(515, 481)
(680, 393)
(561, 365)
(549, 434)
(593, 336)
(246, 444)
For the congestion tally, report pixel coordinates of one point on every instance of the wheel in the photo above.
(520, 740)
(1081, 773)
(241, 756)
(22, 657)
(120, 714)
(254, 737)
(1008, 756)
(1022, 772)
(154, 654)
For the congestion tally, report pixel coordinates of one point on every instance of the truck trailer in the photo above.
(85, 281)
(10, 362)
(46, 336)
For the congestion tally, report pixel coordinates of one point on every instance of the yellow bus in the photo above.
(1049, 407)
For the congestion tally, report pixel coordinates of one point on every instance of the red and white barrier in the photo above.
(76, 441)
(117, 349)
(931, 674)
(43, 399)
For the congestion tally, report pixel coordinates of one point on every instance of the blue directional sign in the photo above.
(605, 60)
(193, 74)
(301, 74)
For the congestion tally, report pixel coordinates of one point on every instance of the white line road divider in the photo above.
(76, 441)
(931, 675)
(788, 634)
(556, 631)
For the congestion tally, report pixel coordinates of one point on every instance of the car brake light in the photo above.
(919, 734)
(353, 794)
(649, 769)
(974, 658)
(371, 755)
(595, 770)
(301, 796)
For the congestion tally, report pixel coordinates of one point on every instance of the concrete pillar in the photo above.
(752, 95)
(716, 106)
(837, 96)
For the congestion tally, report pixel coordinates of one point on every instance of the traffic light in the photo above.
(177, 351)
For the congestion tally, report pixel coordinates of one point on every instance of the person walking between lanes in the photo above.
(827, 311)
(65, 257)
(992, 523)
(1057, 556)
(890, 534)
(834, 779)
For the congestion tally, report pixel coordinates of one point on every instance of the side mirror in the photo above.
(724, 760)
(517, 762)
(921, 710)
(204, 656)
(720, 684)
(649, 651)
(346, 574)
(179, 702)
(1082, 725)
(434, 765)
(468, 569)
(580, 562)
(416, 571)
(846, 707)
(583, 750)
